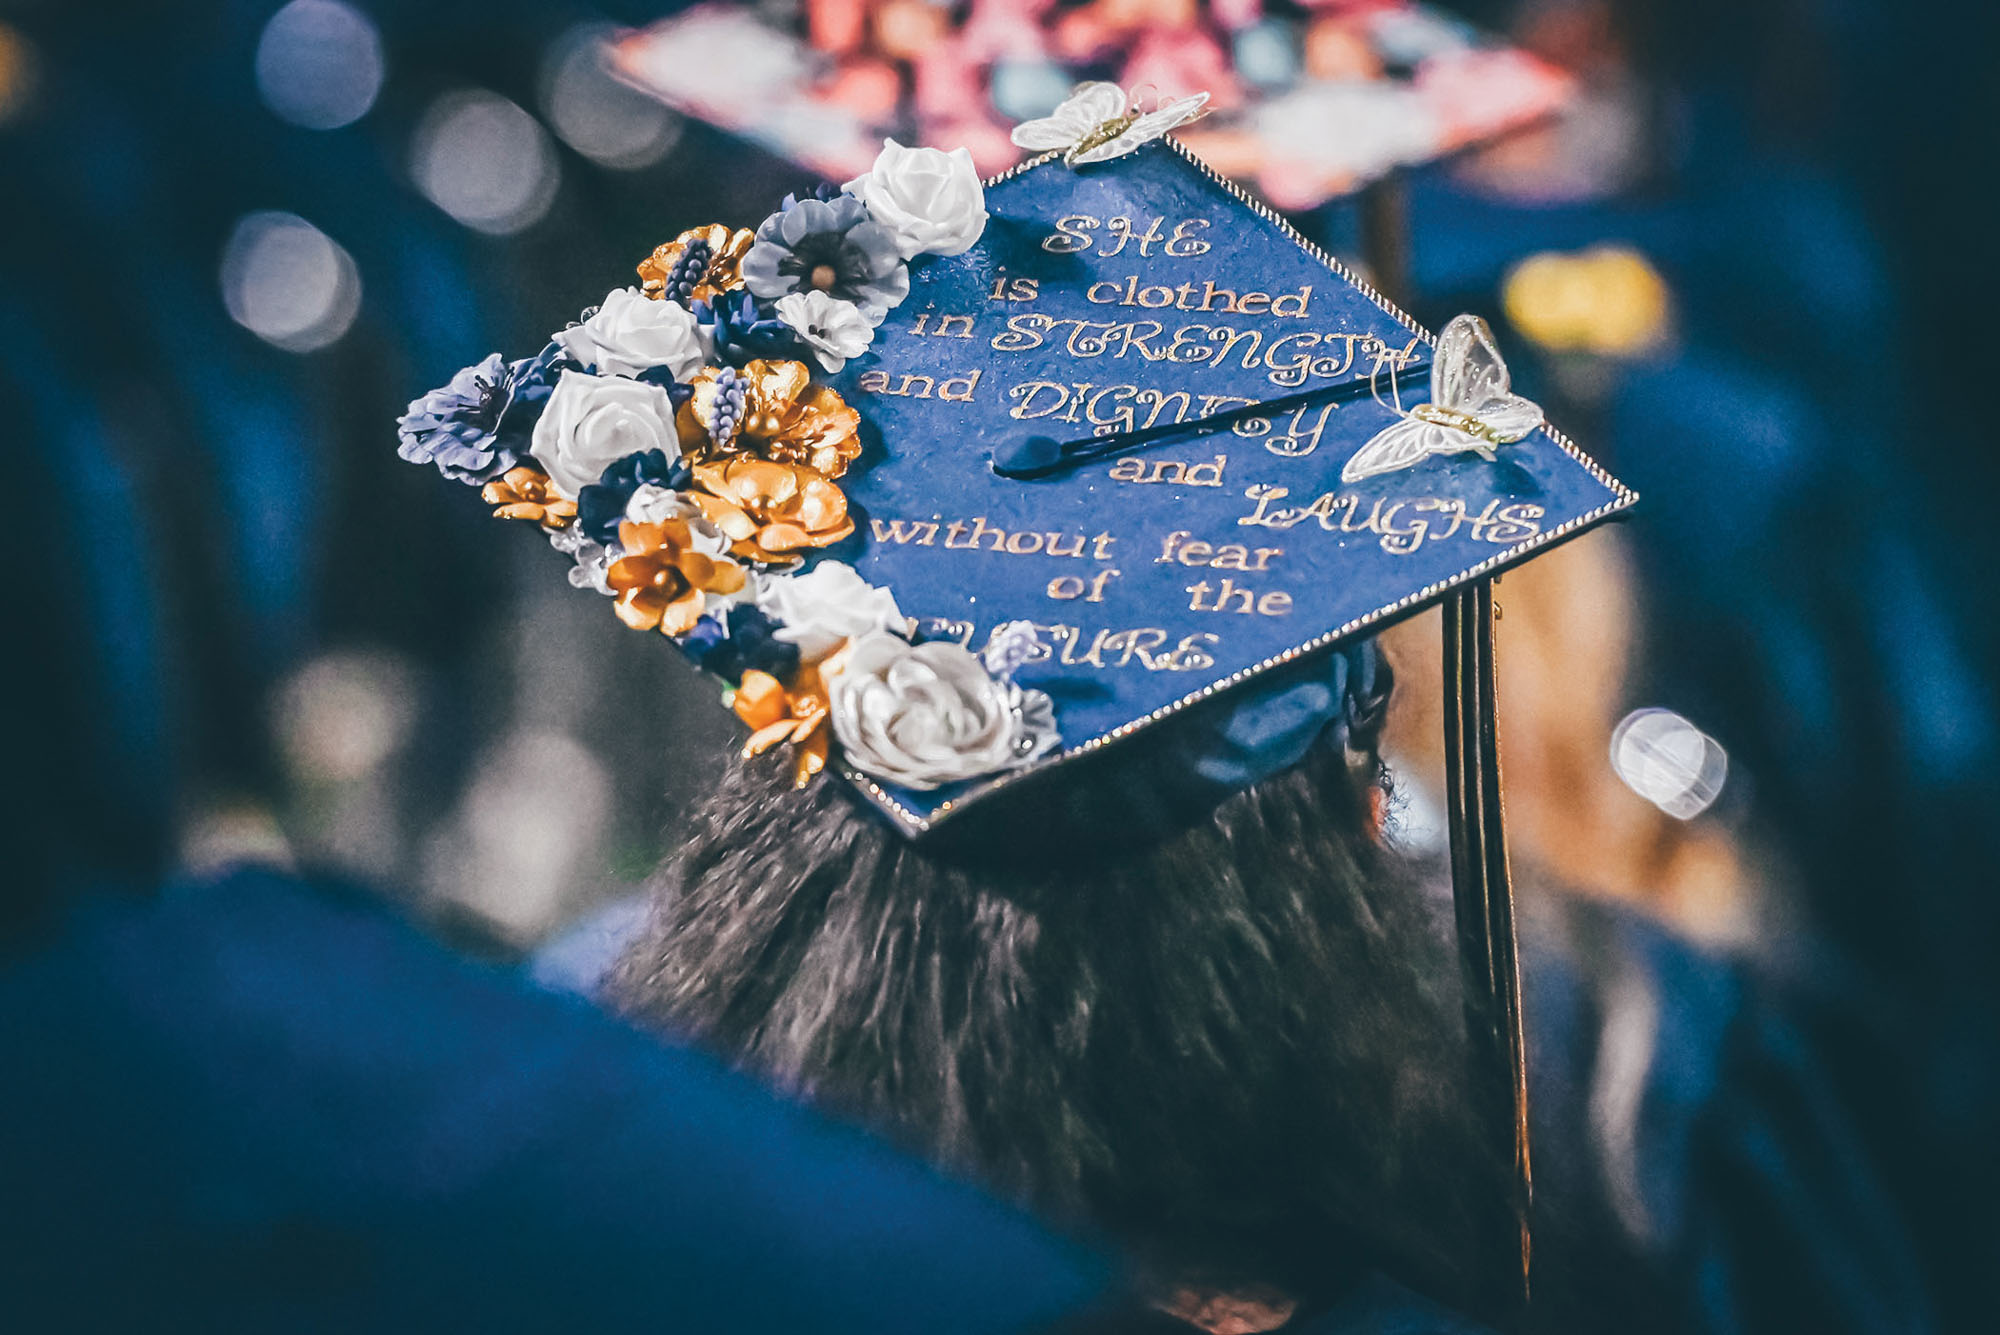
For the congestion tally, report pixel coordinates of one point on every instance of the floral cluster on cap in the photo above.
(674, 444)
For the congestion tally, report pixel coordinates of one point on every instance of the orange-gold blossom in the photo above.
(726, 248)
(779, 713)
(770, 512)
(786, 418)
(524, 493)
(661, 581)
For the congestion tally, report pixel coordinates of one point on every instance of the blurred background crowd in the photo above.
(241, 236)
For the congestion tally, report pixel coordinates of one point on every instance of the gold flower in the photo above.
(661, 581)
(785, 417)
(780, 713)
(524, 493)
(720, 274)
(771, 511)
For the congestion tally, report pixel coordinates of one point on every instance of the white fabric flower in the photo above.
(930, 199)
(921, 716)
(593, 421)
(631, 333)
(828, 604)
(651, 504)
(834, 329)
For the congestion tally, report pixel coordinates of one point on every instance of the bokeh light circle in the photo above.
(485, 161)
(319, 64)
(1668, 761)
(287, 282)
(608, 122)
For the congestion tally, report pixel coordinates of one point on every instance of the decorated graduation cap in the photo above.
(1054, 508)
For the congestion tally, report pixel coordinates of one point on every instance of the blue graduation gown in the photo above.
(260, 1104)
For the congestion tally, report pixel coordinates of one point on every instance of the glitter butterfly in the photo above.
(1096, 123)
(1473, 408)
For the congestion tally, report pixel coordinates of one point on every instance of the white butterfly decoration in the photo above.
(1095, 124)
(1473, 407)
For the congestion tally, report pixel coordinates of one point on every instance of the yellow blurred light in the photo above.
(17, 73)
(1607, 300)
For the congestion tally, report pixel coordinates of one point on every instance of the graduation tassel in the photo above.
(1483, 898)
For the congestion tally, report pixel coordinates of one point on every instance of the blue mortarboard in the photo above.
(1104, 309)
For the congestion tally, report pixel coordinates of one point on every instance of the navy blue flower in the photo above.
(740, 328)
(748, 641)
(677, 393)
(456, 427)
(600, 507)
(530, 381)
(698, 643)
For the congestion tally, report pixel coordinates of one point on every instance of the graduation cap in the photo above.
(1146, 416)
(1085, 518)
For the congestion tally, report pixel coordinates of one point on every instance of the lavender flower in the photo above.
(687, 271)
(456, 426)
(831, 246)
(1012, 645)
(825, 192)
(731, 391)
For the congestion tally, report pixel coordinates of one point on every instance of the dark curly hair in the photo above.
(1237, 1051)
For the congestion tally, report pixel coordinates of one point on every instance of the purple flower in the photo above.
(456, 427)
(825, 192)
(688, 271)
(732, 392)
(829, 245)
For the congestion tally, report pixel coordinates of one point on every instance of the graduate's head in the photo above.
(1231, 1044)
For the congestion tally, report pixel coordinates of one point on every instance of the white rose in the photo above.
(925, 715)
(834, 329)
(828, 604)
(631, 333)
(930, 199)
(593, 421)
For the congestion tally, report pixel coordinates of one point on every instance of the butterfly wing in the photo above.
(1468, 370)
(1171, 116)
(1086, 108)
(1149, 126)
(1396, 447)
(1511, 417)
